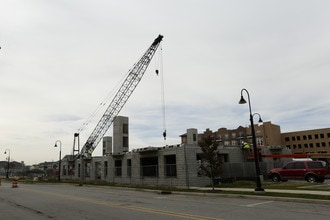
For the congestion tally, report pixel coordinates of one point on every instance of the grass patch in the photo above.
(293, 185)
(273, 194)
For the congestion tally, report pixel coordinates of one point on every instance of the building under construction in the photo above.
(176, 165)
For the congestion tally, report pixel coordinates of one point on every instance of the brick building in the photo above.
(315, 141)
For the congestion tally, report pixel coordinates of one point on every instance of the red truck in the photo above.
(311, 171)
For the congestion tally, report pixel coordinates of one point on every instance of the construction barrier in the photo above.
(15, 183)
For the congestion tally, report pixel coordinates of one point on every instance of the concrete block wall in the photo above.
(107, 146)
(186, 167)
(118, 135)
(180, 179)
(192, 136)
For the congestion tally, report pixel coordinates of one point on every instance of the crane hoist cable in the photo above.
(104, 103)
(161, 74)
(120, 98)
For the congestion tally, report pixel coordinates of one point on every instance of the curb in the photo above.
(259, 197)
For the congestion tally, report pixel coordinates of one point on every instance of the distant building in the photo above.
(316, 141)
(15, 168)
(268, 135)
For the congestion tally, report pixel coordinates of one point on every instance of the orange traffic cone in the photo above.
(14, 183)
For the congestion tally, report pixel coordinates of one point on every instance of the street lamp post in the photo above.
(59, 162)
(8, 162)
(254, 142)
(260, 120)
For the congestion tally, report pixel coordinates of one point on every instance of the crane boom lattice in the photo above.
(125, 91)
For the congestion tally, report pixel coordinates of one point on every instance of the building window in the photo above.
(125, 128)
(87, 169)
(105, 169)
(79, 168)
(194, 137)
(306, 145)
(233, 135)
(259, 141)
(287, 139)
(118, 165)
(129, 167)
(224, 157)
(298, 138)
(125, 142)
(149, 166)
(321, 135)
(98, 170)
(288, 146)
(316, 136)
(294, 146)
(311, 145)
(199, 163)
(240, 134)
(63, 170)
(293, 138)
(304, 137)
(317, 144)
(309, 137)
(170, 165)
(328, 135)
(299, 146)
(323, 144)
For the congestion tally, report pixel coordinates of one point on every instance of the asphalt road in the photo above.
(64, 201)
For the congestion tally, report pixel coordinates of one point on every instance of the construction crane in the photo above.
(125, 91)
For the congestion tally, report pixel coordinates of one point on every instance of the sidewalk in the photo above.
(310, 192)
(264, 196)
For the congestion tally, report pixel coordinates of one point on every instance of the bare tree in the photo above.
(212, 162)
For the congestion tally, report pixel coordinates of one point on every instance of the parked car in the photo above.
(311, 171)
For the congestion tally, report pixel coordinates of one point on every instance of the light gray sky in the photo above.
(60, 59)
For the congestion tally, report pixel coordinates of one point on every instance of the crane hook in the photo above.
(164, 135)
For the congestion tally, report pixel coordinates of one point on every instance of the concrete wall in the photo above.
(104, 168)
(120, 135)
(107, 146)
(114, 167)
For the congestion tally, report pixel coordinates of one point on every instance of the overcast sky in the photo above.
(60, 59)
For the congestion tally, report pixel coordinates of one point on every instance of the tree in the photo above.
(212, 162)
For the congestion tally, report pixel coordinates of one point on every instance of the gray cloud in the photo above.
(59, 60)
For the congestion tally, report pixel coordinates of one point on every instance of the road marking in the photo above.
(123, 206)
(256, 204)
(160, 197)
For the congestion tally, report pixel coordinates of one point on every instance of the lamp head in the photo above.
(260, 120)
(55, 145)
(242, 101)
